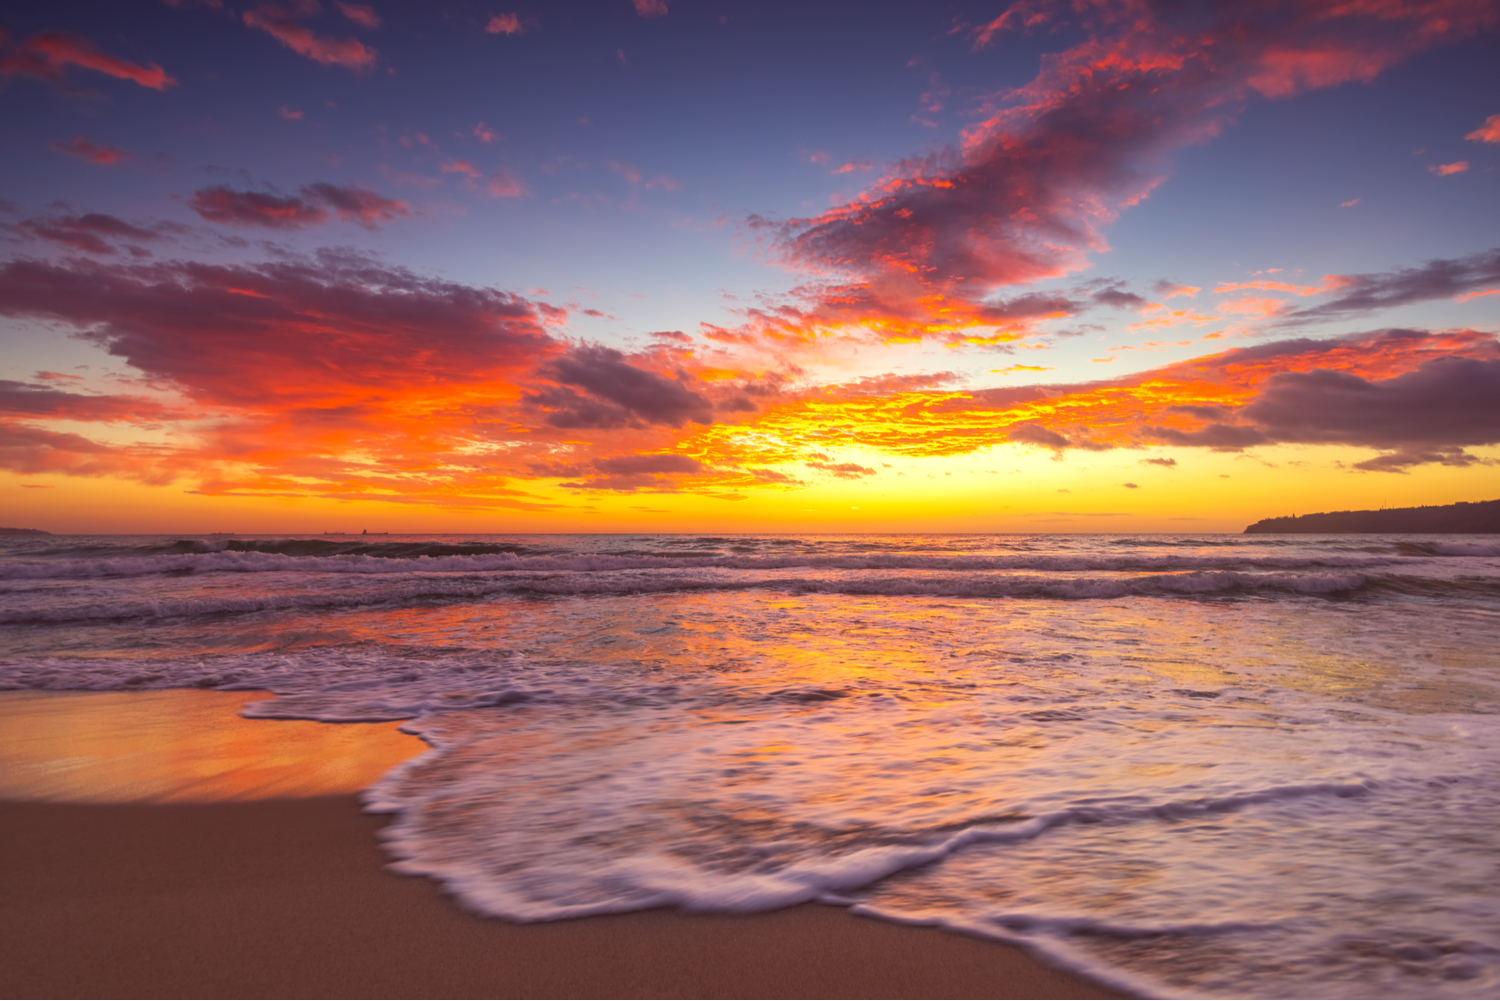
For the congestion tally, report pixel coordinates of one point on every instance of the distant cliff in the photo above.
(23, 531)
(1462, 517)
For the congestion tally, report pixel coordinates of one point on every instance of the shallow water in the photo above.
(1187, 765)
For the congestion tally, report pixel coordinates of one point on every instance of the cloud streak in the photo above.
(317, 204)
(280, 23)
(46, 56)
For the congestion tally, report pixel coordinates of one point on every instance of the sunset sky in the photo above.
(723, 265)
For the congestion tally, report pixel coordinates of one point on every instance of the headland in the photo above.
(1462, 518)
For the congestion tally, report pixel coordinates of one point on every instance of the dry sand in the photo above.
(288, 898)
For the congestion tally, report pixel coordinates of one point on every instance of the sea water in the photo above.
(1192, 765)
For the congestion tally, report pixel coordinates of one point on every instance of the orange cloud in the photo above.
(1444, 169)
(44, 57)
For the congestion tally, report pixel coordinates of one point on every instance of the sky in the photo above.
(734, 266)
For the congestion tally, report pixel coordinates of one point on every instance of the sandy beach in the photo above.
(157, 844)
(288, 898)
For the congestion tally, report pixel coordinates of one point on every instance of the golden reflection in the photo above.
(181, 746)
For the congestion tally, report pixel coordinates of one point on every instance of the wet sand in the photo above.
(287, 898)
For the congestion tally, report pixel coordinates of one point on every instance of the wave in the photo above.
(419, 589)
(508, 559)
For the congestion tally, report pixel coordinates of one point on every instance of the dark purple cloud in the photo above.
(1446, 401)
(317, 202)
(1437, 279)
(90, 232)
(616, 393)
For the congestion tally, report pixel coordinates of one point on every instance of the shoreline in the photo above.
(289, 898)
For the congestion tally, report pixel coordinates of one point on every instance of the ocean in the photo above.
(1186, 765)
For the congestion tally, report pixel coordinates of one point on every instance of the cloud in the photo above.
(842, 470)
(1445, 401)
(505, 24)
(1119, 299)
(1444, 169)
(504, 185)
(89, 232)
(25, 400)
(1436, 279)
(1398, 461)
(1349, 204)
(460, 167)
(290, 114)
(85, 150)
(1167, 289)
(1164, 463)
(616, 393)
(1489, 132)
(279, 23)
(319, 331)
(1195, 403)
(46, 55)
(1219, 437)
(361, 14)
(1027, 195)
(485, 134)
(650, 8)
(221, 204)
(1035, 434)
(628, 473)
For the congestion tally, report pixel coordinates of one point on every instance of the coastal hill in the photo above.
(1460, 518)
(23, 531)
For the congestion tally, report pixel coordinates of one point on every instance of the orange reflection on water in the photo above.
(181, 746)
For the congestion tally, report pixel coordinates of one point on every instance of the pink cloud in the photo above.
(290, 114)
(650, 8)
(1349, 204)
(504, 185)
(1489, 132)
(361, 14)
(85, 150)
(505, 24)
(278, 22)
(460, 167)
(485, 134)
(44, 56)
(1444, 169)
(1052, 163)
(853, 165)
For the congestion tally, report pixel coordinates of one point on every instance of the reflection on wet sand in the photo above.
(180, 746)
